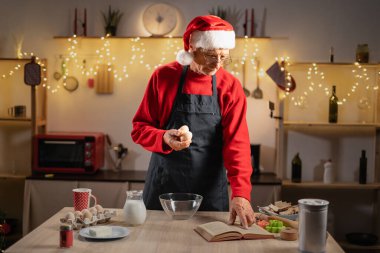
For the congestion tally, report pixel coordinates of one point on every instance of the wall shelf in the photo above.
(333, 186)
(24, 119)
(326, 124)
(349, 246)
(371, 64)
(151, 37)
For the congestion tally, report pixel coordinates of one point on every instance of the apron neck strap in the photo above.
(182, 80)
(214, 92)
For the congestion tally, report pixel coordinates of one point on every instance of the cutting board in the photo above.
(104, 79)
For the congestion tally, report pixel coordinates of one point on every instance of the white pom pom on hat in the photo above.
(184, 57)
(208, 32)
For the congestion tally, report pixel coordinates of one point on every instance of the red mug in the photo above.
(82, 198)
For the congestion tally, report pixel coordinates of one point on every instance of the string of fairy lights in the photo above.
(13, 70)
(250, 55)
(317, 80)
(104, 56)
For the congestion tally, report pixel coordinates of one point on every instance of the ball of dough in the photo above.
(186, 136)
(184, 129)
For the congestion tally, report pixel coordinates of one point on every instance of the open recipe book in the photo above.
(218, 231)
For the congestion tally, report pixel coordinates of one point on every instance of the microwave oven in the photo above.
(68, 152)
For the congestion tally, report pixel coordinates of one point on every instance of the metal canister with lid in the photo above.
(312, 225)
(65, 236)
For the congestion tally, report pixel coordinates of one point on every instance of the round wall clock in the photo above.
(160, 19)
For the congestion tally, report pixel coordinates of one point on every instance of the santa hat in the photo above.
(208, 32)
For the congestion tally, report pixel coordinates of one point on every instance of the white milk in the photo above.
(134, 212)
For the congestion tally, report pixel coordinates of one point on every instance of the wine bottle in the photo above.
(332, 54)
(363, 169)
(333, 106)
(296, 169)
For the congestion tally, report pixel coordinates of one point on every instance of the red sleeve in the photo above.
(236, 147)
(147, 124)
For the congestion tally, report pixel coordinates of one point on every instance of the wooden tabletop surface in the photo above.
(159, 233)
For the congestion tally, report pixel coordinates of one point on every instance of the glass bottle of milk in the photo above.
(134, 208)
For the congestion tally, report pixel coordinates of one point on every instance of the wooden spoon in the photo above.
(246, 91)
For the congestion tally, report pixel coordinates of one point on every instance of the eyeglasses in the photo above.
(214, 58)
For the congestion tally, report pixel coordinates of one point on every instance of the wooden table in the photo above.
(158, 234)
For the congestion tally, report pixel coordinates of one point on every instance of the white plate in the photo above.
(266, 210)
(117, 232)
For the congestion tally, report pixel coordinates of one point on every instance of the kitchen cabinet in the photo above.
(266, 189)
(109, 187)
(16, 132)
(16, 136)
(356, 213)
(263, 195)
(133, 186)
(11, 195)
(40, 202)
(305, 130)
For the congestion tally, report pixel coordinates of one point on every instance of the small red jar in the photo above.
(65, 236)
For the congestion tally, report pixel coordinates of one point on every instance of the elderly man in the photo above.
(197, 92)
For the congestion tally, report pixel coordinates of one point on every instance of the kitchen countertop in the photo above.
(158, 234)
(100, 175)
(134, 176)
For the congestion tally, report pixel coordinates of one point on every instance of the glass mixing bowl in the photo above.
(180, 206)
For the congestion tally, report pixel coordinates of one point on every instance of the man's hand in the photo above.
(242, 208)
(172, 139)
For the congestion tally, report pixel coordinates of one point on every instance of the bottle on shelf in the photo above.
(328, 174)
(363, 168)
(362, 53)
(296, 169)
(333, 106)
(331, 54)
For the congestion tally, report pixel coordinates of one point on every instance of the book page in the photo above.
(217, 230)
(254, 232)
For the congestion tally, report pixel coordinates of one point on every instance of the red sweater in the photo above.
(155, 108)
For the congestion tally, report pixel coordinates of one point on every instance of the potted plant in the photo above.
(111, 20)
(232, 15)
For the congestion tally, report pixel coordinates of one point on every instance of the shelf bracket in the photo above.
(271, 108)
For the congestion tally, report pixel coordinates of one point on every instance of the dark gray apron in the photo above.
(199, 168)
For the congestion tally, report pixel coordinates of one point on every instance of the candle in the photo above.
(246, 22)
(252, 22)
(85, 23)
(75, 21)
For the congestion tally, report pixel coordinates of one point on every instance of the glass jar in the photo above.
(362, 53)
(134, 208)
